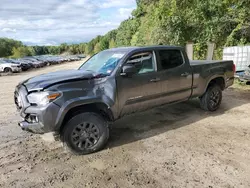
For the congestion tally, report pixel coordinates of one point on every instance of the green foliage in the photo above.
(126, 31)
(97, 48)
(111, 35)
(15, 49)
(89, 49)
(6, 46)
(104, 43)
(54, 50)
(21, 52)
(112, 43)
(169, 22)
(174, 22)
(63, 47)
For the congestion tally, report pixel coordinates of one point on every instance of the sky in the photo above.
(51, 22)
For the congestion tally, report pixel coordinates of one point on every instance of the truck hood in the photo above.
(45, 80)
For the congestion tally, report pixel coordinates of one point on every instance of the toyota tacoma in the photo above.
(79, 105)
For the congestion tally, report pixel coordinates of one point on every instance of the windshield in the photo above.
(103, 63)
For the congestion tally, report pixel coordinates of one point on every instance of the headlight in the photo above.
(42, 98)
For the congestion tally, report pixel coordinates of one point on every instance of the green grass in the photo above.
(240, 85)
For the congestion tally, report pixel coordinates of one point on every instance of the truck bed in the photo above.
(204, 69)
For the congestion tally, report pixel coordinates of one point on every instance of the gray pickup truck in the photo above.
(79, 105)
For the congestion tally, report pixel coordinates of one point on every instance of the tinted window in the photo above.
(143, 61)
(170, 58)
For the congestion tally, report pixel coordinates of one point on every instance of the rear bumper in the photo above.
(229, 82)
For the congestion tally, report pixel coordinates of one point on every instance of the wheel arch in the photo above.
(7, 68)
(97, 107)
(219, 80)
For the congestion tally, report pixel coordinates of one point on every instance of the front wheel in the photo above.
(85, 133)
(8, 70)
(211, 100)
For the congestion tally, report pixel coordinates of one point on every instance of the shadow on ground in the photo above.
(164, 118)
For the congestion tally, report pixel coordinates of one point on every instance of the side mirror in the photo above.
(128, 70)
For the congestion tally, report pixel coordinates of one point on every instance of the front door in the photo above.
(135, 93)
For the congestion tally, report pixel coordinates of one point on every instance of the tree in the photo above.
(111, 35)
(89, 49)
(82, 48)
(7, 45)
(126, 31)
(53, 50)
(172, 22)
(31, 50)
(63, 47)
(104, 43)
(21, 52)
(112, 43)
(97, 48)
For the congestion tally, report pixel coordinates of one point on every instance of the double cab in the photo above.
(79, 105)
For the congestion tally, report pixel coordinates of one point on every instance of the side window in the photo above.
(143, 61)
(170, 58)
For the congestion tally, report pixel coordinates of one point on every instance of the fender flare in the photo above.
(212, 78)
(76, 102)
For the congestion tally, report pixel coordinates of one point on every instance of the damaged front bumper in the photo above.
(36, 119)
(31, 127)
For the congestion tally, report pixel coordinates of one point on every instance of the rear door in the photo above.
(175, 75)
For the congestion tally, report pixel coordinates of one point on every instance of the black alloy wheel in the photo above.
(85, 135)
(211, 99)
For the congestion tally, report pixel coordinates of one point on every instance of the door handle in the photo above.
(185, 74)
(155, 80)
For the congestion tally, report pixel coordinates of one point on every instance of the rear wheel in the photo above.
(85, 133)
(7, 69)
(211, 100)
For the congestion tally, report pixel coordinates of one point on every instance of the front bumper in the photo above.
(36, 119)
(41, 119)
(31, 127)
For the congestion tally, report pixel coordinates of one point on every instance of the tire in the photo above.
(85, 133)
(7, 69)
(211, 100)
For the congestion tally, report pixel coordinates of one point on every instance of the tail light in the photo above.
(234, 68)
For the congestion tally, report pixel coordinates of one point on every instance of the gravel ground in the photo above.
(170, 146)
